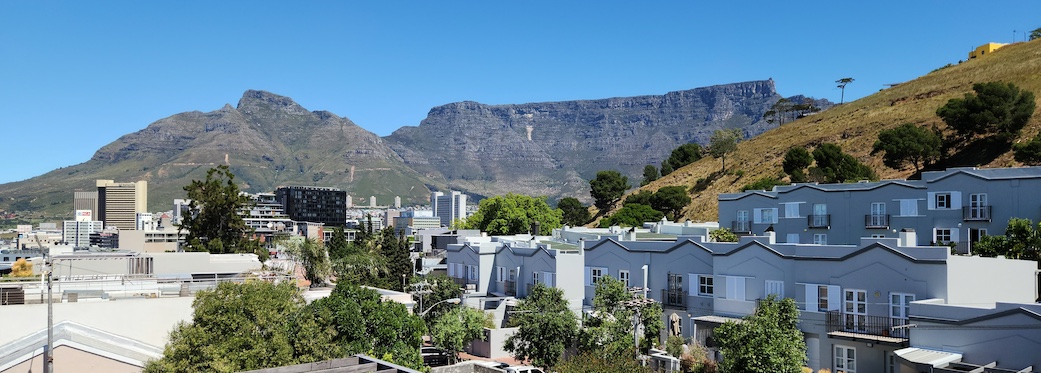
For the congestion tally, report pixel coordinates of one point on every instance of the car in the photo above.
(434, 357)
(491, 364)
(523, 369)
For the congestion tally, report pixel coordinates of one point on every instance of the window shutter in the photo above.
(956, 201)
(792, 238)
(773, 219)
(954, 234)
(932, 200)
(589, 276)
(810, 303)
(720, 290)
(735, 288)
(757, 216)
(500, 273)
(692, 279)
(451, 269)
(834, 298)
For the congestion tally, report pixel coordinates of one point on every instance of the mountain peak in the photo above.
(254, 98)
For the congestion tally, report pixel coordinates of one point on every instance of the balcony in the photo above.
(976, 213)
(674, 298)
(739, 226)
(877, 329)
(509, 287)
(819, 221)
(876, 221)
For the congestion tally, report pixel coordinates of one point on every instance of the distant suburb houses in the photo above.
(868, 264)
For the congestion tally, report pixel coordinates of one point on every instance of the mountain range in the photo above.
(547, 149)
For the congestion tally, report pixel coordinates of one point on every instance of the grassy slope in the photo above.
(855, 125)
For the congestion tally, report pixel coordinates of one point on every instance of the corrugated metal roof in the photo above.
(926, 356)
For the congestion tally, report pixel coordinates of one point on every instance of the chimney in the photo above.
(582, 243)
(908, 238)
(771, 236)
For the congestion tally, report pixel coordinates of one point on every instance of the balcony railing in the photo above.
(876, 221)
(818, 221)
(674, 298)
(739, 226)
(510, 288)
(976, 213)
(863, 324)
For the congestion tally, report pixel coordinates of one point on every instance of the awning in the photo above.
(717, 319)
(925, 356)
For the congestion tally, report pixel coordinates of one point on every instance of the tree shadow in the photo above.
(976, 152)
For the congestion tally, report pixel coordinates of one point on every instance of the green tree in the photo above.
(1021, 241)
(724, 142)
(650, 174)
(778, 111)
(834, 166)
(227, 324)
(681, 156)
(632, 215)
(592, 362)
(766, 183)
(395, 248)
(1028, 152)
(608, 330)
(722, 235)
(642, 197)
(996, 109)
(795, 162)
(338, 246)
(433, 289)
(842, 85)
(214, 224)
(513, 214)
(908, 143)
(607, 188)
(768, 341)
(455, 329)
(1036, 34)
(545, 327)
(311, 254)
(670, 200)
(573, 212)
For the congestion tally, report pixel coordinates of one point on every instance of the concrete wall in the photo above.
(1007, 333)
(978, 281)
(145, 320)
(69, 359)
(491, 346)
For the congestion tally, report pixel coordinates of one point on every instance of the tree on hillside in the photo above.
(778, 111)
(607, 188)
(681, 156)
(214, 224)
(1036, 34)
(908, 143)
(546, 327)
(795, 162)
(834, 166)
(670, 200)
(573, 212)
(995, 109)
(226, 325)
(842, 85)
(724, 142)
(455, 329)
(768, 341)
(642, 197)
(513, 214)
(632, 215)
(1028, 152)
(650, 174)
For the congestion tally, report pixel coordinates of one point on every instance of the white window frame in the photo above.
(791, 209)
(820, 238)
(908, 207)
(549, 279)
(500, 274)
(822, 298)
(791, 238)
(742, 216)
(949, 200)
(951, 235)
(844, 361)
(773, 287)
(764, 216)
(623, 275)
(471, 272)
(702, 285)
(593, 274)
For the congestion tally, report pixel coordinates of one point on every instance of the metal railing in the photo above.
(976, 213)
(876, 221)
(510, 288)
(818, 221)
(739, 226)
(673, 298)
(838, 321)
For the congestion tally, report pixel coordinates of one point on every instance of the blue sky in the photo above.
(77, 75)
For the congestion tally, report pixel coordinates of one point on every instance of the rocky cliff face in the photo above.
(554, 148)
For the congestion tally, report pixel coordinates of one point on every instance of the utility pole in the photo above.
(48, 353)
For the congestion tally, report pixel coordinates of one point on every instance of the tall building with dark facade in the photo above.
(314, 204)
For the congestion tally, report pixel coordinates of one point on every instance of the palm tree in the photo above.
(842, 84)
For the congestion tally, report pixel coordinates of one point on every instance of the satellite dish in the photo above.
(270, 225)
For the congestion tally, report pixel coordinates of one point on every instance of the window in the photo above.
(735, 287)
(820, 298)
(820, 239)
(820, 215)
(774, 287)
(944, 200)
(534, 278)
(823, 301)
(978, 207)
(856, 309)
(742, 215)
(792, 238)
(765, 216)
(908, 207)
(624, 276)
(472, 270)
(593, 274)
(791, 209)
(500, 274)
(942, 236)
(705, 285)
(845, 359)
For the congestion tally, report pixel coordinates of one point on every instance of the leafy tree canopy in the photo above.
(455, 329)
(834, 166)
(681, 156)
(574, 213)
(214, 224)
(795, 162)
(513, 214)
(607, 188)
(546, 327)
(642, 197)
(650, 173)
(768, 341)
(722, 235)
(1028, 152)
(908, 143)
(632, 215)
(592, 362)
(608, 331)
(766, 183)
(998, 109)
(312, 256)
(670, 200)
(434, 289)
(724, 142)
(1036, 34)
(1021, 241)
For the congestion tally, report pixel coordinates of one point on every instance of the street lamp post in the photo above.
(449, 300)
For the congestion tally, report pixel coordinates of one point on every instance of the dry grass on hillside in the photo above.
(855, 125)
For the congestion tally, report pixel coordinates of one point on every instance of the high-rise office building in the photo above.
(119, 203)
(314, 204)
(448, 207)
(86, 201)
(77, 232)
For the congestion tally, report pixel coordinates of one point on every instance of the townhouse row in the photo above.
(881, 305)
